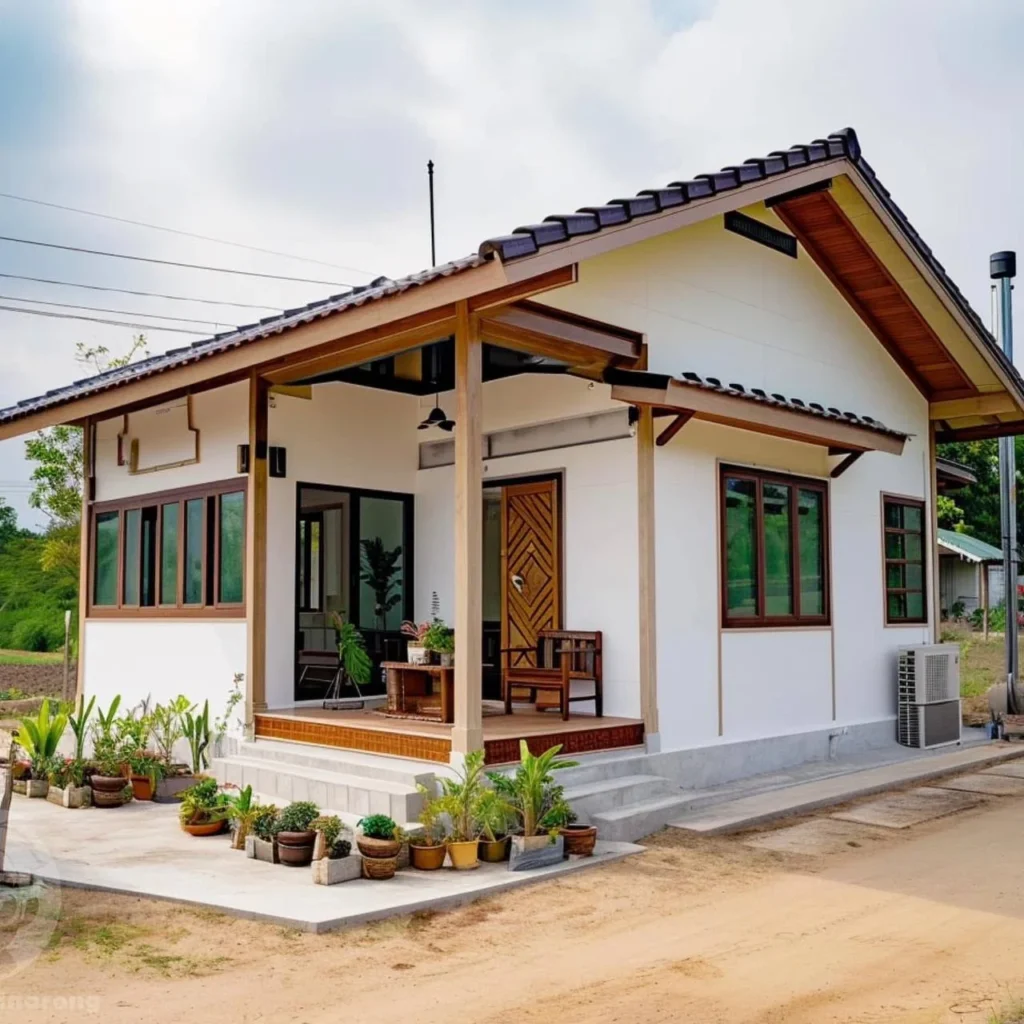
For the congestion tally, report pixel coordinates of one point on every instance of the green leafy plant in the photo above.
(330, 826)
(221, 723)
(132, 730)
(107, 756)
(494, 815)
(39, 737)
(379, 570)
(68, 771)
(355, 662)
(297, 816)
(378, 826)
(460, 798)
(79, 722)
(531, 791)
(203, 804)
(264, 820)
(242, 810)
(147, 765)
(105, 719)
(338, 849)
(13, 693)
(431, 817)
(196, 729)
(166, 726)
(439, 638)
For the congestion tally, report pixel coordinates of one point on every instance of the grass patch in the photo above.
(31, 657)
(1013, 1014)
(982, 663)
(89, 936)
(172, 966)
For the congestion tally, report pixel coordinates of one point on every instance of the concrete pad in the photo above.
(816, 837)
(746, 812)
(901, 810)
(990, 785)
(1012, 769)
(139, 849)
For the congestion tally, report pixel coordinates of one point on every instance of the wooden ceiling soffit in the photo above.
(835, 245)
(947, 432)
(736, 411)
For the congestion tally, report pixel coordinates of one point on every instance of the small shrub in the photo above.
(330, 826)
(378, 826)
(341, 848)
(297, 817)
(264, 822)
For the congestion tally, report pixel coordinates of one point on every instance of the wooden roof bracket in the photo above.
(843, 466)
(674, 427)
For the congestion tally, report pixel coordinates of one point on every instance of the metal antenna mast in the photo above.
(430, 182)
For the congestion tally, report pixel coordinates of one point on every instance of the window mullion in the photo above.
(759, 545)
(794, 549)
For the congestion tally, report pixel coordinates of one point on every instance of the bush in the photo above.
(38, 630)
(297, 817)
(378, 826)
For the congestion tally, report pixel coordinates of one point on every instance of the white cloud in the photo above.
(306, 127)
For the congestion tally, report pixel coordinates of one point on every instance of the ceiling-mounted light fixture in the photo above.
(437, 417)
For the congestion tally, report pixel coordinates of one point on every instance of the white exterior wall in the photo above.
(720, 305)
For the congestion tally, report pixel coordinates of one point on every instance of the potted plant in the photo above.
(427, 848)
(337, 865)
(242, 810)
(167, 729)
(204, 809)
(295, 836)
(67, 783)
(355, 662)
(460, 801)
(380, 843)
(39, 738)
(145, 770)
(196, 729)
(440, 640)
(78, 720)
(494, 816)
(539, 804)
(415, 651)
(109, 786)
(262, 840)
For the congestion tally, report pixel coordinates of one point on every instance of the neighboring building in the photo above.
(970, 574)
(701, 420)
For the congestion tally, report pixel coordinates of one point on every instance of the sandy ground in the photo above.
(921, 926)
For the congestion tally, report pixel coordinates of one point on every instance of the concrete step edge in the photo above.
(627, 811)
(591, 789)
(318, 775)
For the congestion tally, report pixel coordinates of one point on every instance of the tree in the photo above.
(979, 503)
(8, 524)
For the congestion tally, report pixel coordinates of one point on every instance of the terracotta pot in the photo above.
(142, 787)
(382, 848)
(296, 848)
(169, 790)
(464, 856)
(494, 852)
(107, 790)
(205, 828)
(427, 858)
(579, 840)
(379, 867)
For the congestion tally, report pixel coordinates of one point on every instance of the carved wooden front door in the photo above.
(530, 564)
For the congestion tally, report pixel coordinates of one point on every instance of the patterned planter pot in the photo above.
(341, 869)
(530, 852)
(70, 796)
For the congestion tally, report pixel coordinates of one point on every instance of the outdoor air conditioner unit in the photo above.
(929, 725)
(929, 673)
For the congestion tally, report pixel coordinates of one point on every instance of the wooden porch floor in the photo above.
(373, 733)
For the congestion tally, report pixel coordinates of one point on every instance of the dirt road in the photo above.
(922, 928)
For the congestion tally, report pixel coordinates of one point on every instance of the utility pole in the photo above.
(1002, 269)
(430, 185)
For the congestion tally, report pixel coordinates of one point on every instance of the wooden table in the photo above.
(408, 684)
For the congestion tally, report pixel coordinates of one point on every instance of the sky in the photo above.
(305, 127)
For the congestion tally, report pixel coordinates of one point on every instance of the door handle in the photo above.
(517, 582)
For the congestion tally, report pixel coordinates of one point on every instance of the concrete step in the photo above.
(634, 821)
(599, 768)
(592, 798)
(331, 759)
(333, 791)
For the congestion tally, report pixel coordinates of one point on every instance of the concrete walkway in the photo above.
(749, 811)
(139, 849)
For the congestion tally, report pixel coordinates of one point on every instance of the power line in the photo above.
(173, 263)
(120, 312)
(129, 291)
(98, 320)
(186, 234)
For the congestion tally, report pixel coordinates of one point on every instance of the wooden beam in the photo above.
(85, 547)
(560, 278)
(735, 411)
(932, 506)
(1005, 428)
(674, 427)
(467, 730)
(256, 552)
(647, 576)
(984, 405)
(293, 390)
(845, 465)
(569, 329)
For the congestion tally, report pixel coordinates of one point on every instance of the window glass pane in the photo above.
(894, 545)
(912, 546)
(169, 556)
(915, 605)
(194, 551)
(232, 546)
(105, 582)
(314, 564)
(893, 514)
(911, 517)
(896, 576)
(740, 547)
(147, 595)
(914, 576)
(381, 563)
(303, 545)
(778, 551)
(811, 531)
(132, 536)
(897, 604)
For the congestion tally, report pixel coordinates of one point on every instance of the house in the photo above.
(970, 574)
(701, 420)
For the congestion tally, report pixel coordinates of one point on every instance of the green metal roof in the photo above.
(969, 547)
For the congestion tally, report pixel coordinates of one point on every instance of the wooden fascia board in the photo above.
(984, 405)
(585, 247)
(524, 288)
(1007, 428)
(952, 307)
(563, 330)
(765, 419)
(538, 343)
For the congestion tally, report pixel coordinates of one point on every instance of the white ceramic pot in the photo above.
(417, 654)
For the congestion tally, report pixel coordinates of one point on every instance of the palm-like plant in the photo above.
(39, 737)
(80, 724)
(196, 729)
(243, 810)
(460, 798)
(355, 662)
(532, 791)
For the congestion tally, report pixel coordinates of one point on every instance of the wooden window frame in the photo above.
(306, 562)
(795, 483)
(211, 606)
(918, 503)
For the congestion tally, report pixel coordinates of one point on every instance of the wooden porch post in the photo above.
(85, 544)
(256, 551)
(647, 603)
(467, 731)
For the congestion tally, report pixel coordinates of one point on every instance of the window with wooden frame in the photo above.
(176, 553)
(774, 549)
(904, 548)
(311, 561)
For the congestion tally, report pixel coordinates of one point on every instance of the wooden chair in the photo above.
(562, 657)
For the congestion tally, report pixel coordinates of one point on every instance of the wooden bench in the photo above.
(561, 658)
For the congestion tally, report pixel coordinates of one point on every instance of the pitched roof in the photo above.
(968, 547)
(525, 241)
